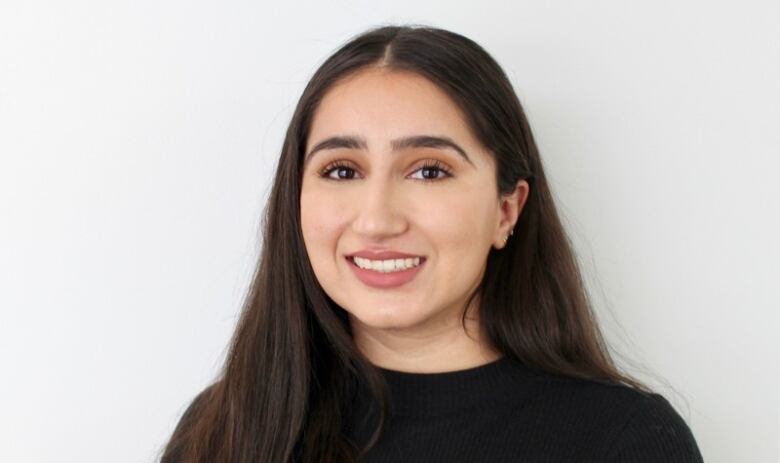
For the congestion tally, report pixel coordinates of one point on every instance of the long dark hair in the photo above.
(292, 366)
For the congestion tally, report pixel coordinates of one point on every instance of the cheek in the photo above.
(459, 221)
(321, 221)
(311, 223)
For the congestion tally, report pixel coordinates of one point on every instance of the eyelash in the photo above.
(438, 165)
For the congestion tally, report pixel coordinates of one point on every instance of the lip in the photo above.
(382, 255)
(385, 280)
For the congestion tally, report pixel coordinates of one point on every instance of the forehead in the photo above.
(382, 105)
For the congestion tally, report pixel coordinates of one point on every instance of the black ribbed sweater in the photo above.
(505, 412)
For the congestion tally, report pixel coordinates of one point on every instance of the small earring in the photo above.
(507, 236)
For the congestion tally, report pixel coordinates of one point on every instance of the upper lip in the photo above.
(381, 255)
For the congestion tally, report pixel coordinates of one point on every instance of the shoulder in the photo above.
(192, 409)
(653, 431)
(174, 449)
(620, 423)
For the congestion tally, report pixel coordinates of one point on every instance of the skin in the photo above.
(385, 199)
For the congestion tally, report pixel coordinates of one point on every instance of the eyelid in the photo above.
(445, 170)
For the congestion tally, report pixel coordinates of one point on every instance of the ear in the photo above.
(510, 207)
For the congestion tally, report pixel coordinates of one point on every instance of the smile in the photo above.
(386, 273)
(387, 265)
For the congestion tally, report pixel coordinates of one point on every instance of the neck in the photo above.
(450, 347)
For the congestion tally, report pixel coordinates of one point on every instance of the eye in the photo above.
(431, 171)
(432, 168)
(338, 166)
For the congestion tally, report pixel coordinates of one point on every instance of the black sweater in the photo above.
(505, 412)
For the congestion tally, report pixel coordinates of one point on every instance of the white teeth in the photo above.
(386, 266)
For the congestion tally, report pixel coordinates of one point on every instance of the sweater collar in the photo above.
(453, 392)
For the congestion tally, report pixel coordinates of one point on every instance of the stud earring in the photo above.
(507, 236)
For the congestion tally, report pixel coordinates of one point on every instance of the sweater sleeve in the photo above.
(654, 433)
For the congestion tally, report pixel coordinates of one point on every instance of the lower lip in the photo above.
(385, 280)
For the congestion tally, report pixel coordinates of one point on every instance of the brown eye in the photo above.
(432, 171)
(340, 168)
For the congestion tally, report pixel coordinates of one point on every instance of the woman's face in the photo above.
(369, 194)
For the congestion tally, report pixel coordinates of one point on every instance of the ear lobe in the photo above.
(511, 207)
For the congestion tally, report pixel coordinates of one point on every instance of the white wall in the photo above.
(137, 141)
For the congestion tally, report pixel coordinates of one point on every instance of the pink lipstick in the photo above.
(390, 279)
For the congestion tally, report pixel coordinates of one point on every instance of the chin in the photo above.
(384, 319)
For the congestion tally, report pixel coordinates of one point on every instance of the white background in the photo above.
(138, 140)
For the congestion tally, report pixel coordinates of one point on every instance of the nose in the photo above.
(380, 214)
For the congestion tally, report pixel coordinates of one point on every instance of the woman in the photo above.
(417, 298)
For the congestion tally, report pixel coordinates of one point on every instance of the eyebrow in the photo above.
(414, 141)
